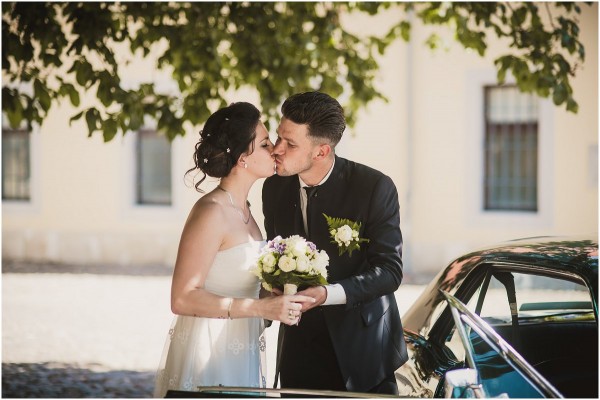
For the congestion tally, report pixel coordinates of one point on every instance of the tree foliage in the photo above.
(543, 56)
(56, 51)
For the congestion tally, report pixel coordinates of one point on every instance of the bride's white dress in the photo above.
(213, 352)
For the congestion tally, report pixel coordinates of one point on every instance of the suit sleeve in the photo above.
(384, 251)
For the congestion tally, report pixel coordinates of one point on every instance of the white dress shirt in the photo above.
(335, 292)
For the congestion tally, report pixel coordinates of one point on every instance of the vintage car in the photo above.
(516, 320)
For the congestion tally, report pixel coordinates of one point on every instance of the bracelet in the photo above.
(229, 308)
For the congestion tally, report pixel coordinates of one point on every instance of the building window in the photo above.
(16, 165)
(511, 149)
(153, 168)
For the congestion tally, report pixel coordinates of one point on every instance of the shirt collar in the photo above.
(302, 184)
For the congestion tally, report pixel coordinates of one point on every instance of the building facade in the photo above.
(474, 163)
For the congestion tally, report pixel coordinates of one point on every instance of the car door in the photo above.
(494, 368)
(547, 315)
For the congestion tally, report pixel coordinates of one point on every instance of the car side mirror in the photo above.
(463, 383)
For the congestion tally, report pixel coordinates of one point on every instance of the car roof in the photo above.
(575, 255)
(578, 254)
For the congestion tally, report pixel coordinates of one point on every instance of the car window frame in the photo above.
(471, 282)
(545, 272)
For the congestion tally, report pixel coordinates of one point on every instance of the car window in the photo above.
(537, 296)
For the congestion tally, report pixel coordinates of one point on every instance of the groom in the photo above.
(351, 338)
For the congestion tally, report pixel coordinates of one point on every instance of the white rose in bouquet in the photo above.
(287, 264)
(269, 262)
(302, 263)
(320, 263)
(297, 246)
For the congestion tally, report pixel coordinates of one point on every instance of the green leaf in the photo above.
(74, 96)
(75, 117)
(110, 129)
(405, 30)
(38, 87)
(91, 119)
(572, 105)
(15, 113)
(103, 93)
(519, 16)
(560, 94)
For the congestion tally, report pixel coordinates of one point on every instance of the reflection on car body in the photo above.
(539, 296)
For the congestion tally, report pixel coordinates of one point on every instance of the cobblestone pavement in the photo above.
(92, 335)
(60, 380)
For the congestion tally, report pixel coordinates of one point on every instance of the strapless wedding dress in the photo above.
(213, 352)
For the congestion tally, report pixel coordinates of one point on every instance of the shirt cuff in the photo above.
(335, 294)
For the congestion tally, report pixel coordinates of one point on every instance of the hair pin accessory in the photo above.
(206, 161)
(228, 150)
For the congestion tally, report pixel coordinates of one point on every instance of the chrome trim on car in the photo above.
(531, 268)
(307, 392)
(497, 343)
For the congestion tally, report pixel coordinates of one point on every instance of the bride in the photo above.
(216, 336)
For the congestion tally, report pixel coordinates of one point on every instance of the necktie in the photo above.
(311, 191)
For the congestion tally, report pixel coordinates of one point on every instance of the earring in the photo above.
(245, 165)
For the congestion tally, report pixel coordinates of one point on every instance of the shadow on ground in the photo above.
(59, 380)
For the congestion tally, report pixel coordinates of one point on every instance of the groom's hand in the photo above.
(319, 293)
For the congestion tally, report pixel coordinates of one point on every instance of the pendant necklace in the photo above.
(244, 220)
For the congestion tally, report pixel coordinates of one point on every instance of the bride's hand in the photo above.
(286, 309)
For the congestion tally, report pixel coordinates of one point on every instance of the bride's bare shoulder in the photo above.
(208, 208)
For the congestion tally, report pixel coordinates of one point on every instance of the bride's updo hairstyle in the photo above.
(227, 134)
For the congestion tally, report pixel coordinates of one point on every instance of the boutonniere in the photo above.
(344, 233)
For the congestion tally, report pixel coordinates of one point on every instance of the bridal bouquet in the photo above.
(291, 263)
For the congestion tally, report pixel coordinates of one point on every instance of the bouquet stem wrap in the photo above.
(290, 288)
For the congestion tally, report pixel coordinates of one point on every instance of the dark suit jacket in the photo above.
(366, 332)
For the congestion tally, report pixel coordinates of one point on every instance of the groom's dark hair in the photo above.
(321, 112)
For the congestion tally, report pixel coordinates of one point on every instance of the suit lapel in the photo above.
(289, 221)
(298, 221)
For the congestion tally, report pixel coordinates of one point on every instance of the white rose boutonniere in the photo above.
(344, 233)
